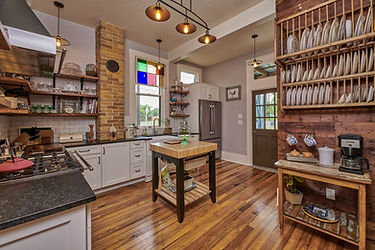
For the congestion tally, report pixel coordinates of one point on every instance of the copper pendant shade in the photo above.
(207, 38)
(59, 40)
(158, 13)
(186, 27)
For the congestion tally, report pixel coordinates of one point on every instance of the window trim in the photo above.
(189, 69)
(131, 95)
(160, 96)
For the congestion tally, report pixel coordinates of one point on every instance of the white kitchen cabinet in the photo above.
(115, 167)
(92, 155)
(94, 177)
(61, 231)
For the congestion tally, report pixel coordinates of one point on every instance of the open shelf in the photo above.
(64, 114)
(36, 92)
(8, 111)
(78, 77)
(191, 196)
(339, 230)
(179, 115)
(179, 103)
(178, 91)
(10, 83)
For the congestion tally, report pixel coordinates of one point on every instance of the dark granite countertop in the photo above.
(99, 142)
(36, 197)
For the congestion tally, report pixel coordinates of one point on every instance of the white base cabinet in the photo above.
(115, 168)
(62, 231)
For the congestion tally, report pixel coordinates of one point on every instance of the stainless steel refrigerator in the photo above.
(210, 123)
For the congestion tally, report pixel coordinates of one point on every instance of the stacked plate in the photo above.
(305, 95)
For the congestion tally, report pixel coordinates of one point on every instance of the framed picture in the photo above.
(233, 93)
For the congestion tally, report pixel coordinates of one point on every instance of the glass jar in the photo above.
(184, 128)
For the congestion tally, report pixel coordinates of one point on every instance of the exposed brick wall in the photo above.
(110, 42)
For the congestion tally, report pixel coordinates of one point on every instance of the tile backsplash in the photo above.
(10, 126)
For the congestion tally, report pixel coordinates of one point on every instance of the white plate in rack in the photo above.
(305, 76)
(363, 93)
(363, 62)
(309, 96)
(321, 94)
(318, 35)
(315, 95)
(322, 73)
(288, 93)
(303, 98)
(282, 76)
(348, 98)
(287, 76)
(310, 39)
(293, 101)
(333, 31)
(355, 94)
(371, 60)
(299, 72)
(298, 97)
(370, 94)
(316, 74)
(329, 72)
(334, 72)
(327, 95)
(368, 24)
(342, 98)
(341, 66)
(310, 76)
(347, 64)
(294, 73)
(341, 29)
(355, 63)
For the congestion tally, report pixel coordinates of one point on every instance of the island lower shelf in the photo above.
(346, 228)
(191, 196)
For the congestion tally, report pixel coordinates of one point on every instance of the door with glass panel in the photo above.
(264, 127)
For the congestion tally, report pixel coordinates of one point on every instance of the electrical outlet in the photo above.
(330, 194)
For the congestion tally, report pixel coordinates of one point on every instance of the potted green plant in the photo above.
(292, 194)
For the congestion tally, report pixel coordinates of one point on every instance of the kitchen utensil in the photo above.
(129, 132)
(326, 156)
(309, 140)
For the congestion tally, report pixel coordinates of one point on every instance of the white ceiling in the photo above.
(130, 15)
(233, 45)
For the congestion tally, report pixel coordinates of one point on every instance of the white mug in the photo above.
(309, 140)
(291, 140)
(348, 28)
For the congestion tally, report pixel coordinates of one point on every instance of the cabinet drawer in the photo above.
(89, 150)
(137, 170)
(137, 144)
(137, 155)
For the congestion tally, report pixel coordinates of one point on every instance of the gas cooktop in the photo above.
(43, 164)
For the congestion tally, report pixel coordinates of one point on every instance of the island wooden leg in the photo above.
(212, 176)
(180, 189)
(155, 175)
(281, 198)
(362, 216)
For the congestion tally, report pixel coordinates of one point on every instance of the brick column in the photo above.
(110, 42)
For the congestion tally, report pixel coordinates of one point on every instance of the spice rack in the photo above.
(326, 56)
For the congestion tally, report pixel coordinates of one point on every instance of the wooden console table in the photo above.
(335, 177)
(177, 154)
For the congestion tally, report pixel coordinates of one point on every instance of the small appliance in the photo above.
(129, 132)
(351, 154)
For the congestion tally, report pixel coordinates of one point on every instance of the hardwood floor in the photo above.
(244, 217)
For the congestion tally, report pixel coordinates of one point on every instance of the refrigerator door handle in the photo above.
(214, 118)
(211, 116)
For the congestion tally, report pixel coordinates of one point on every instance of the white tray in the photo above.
(300, 158)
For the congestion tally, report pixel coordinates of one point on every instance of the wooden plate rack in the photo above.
(351, 83)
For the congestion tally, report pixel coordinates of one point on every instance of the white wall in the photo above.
(237, 136)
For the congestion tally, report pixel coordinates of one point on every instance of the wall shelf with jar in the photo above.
(326, 56)
(178, 101)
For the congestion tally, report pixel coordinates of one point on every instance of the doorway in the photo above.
(264, 123)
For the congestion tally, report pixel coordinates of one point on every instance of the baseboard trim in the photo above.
(236, 158)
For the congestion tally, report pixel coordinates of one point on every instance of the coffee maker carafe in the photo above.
(351, 154)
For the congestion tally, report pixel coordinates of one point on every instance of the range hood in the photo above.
(33, 50)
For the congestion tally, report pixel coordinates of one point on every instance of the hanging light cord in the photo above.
(200, 21)
(58, 20)
(158, 52)
(254, 47)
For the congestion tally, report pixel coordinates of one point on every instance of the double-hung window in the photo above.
(148, 90)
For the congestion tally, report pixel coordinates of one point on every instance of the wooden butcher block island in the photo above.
(179, 154)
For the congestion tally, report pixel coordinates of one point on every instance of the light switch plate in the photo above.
(240, 122)
(240, 116)
(330, 194)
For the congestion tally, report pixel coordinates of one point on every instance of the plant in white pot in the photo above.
(292, 194)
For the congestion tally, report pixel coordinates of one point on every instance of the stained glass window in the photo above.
(149, 74)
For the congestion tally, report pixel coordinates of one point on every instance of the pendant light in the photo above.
(158, 13)
(186, 27)
(207, 38)
(59, 40)
(159, 65)
(255, 63)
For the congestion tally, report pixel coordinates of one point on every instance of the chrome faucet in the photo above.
(153, 125)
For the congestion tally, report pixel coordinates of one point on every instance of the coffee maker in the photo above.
(351, 154)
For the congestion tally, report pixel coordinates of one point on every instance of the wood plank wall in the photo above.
(326, 125)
